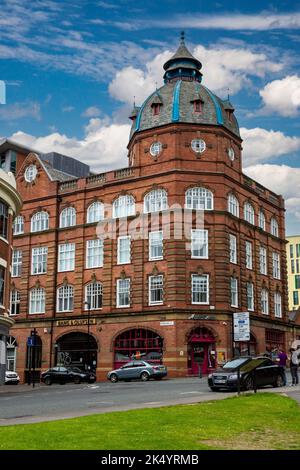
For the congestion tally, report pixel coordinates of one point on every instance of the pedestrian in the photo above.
(294, 363)
(282, 360)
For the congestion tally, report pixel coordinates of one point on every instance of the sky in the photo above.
(73, 69)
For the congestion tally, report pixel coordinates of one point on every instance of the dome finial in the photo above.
(134, 101)
(182, 37)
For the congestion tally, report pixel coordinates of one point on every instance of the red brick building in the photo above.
(99, 301)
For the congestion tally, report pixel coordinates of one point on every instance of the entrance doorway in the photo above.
(77, 350)
(201, 351)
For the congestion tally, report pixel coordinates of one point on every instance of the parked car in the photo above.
(260, 370)
(138, 370)
(11, 378)
(63, 375)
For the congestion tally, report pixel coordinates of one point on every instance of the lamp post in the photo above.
(88, 308)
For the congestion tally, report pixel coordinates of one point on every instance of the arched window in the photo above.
(95, 212)
(199, 198)
(274, 227)
(155, 201)
(93, 296)
(18, 226)
(249, 213)
(65, 298)
(15, 300)
(11, 353)
(233, 205)
(37, 300)
(124, 206)
(67, 217)
(138, 344)
(261, 220)
(40, 221)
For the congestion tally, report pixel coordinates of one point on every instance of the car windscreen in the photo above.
(235, 363)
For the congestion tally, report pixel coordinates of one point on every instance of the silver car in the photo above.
(138, 370)
(11, 377)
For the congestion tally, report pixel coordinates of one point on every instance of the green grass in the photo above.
(262, 421)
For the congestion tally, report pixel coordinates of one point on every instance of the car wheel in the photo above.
(144, 376)
(249, 383)
(77, 380)
(48, 381)
(279, 382)
(113, 378)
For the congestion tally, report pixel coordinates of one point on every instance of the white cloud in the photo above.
(92, 111)
(223, 68)
(26, 109)
(260, 145)
(103, 146)
(282, 96)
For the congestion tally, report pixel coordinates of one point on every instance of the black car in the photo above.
(258, 370)
(63, 375)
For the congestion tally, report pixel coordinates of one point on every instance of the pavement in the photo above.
(22, 404)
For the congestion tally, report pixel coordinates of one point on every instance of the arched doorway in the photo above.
(138, 343)
(201, 351)
(77, 350)
(11, 354)
(246, 348)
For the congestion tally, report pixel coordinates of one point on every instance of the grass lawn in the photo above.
(262, 421)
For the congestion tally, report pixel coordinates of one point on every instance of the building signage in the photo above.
(166, 323)
(202, 316)
(82, 321)
(241, 326)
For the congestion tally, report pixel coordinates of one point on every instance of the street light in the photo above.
(88, 308)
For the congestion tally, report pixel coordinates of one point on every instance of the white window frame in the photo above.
(124, 206)
(16, 264)
(122, 291)
(39, 258)
(263, 260)
(67, 217)
(234, 292)
(65, 298)
(261, 220)
(249, 255)
(94, 253)
(156, 201)
(199, 244)
(250, 296)
(249, 213)
(277, 304)
(95, 212)
(265, 301)
(233, 248)
(37, 300)
(39, 222)
(203, 284)
(156, 245)
(66, 257)
(156, 285)
(18, 225)
(276, 265)
(274, 227)
(93, 293)
(15, 299)
(199, 198)
(233, 205)
(124, 250)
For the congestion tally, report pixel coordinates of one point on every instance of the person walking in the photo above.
(294, 363)
(282, 360)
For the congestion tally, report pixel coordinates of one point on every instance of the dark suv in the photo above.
(63, 375)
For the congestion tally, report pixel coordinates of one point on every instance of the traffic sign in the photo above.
(31, 341)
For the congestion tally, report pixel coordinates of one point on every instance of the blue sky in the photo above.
(72, 69)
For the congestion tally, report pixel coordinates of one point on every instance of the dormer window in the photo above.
(198, 106)
(156, 109)
(229, 113)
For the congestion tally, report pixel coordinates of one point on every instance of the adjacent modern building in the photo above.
(10, 206)
(152, 260)
(293, 269)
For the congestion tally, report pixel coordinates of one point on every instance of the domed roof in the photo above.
(175, 101)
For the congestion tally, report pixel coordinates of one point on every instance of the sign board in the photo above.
(31, 341)
(166, 323)
(79, 322)
(241, 326)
